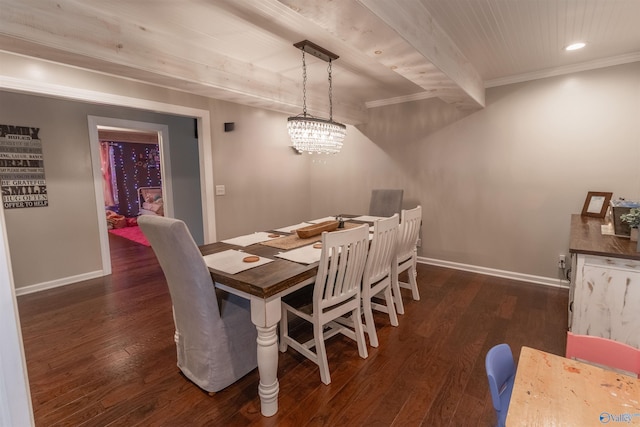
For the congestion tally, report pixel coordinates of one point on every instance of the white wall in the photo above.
(266, 182)
(498, 186)
(518, 169)
(62, 238)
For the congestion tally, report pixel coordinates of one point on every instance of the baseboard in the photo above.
(539, 280)
(24, 290)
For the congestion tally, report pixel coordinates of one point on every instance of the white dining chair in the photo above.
(336, 293)
(376, 280)
(406, 255)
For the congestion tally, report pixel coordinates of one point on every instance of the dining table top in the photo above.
(552, 390)
(263, 281)
(266, 280)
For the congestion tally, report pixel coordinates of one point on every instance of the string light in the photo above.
(135, 162)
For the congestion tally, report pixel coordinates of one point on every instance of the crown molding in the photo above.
(552, 72)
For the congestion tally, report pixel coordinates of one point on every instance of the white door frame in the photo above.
(15, 400)
(96, 123)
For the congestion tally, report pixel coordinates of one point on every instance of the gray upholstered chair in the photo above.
(215, 339)
(385, 203)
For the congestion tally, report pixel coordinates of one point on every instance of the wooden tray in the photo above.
(315, 229)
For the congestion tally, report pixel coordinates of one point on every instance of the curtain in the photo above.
(107, 179)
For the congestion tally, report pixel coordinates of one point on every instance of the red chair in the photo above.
(603, 351)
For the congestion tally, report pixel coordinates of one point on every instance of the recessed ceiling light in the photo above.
(575, 46)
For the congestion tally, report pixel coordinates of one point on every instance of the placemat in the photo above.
(319, 220)
(303, 255)
(293, 241)
(369, 218)
(231, 261)
(291, 228)
(249, 239)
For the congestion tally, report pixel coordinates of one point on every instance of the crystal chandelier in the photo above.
(312, 134)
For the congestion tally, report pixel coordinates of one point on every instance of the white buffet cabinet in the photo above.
(604, 298)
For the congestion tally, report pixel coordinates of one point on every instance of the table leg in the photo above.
(266, 314)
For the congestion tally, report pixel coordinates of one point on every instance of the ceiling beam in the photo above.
(413, 22)
(71, 33)
(364, 32)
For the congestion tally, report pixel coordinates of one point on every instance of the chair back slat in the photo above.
(341, 266)
(382, 250)
(408, 232)
(603, 351)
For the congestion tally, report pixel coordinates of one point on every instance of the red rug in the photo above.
(132, 233)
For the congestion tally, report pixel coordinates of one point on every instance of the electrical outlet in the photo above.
(419, 243)
(562, 261)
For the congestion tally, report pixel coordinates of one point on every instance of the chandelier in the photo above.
(312, 134)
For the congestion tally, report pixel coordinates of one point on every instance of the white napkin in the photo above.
(304, 255)
(368, 218)
(292, 228)
(231, 261)
(249, 239)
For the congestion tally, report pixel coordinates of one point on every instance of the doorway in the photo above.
(131, 180)
(127, 129)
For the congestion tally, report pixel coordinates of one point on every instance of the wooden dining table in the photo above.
(264, 286)
(552, 390)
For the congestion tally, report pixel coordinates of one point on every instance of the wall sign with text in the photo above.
(22, 168)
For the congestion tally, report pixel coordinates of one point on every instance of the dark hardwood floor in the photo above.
(101, 352)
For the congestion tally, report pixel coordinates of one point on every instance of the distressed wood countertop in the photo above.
(586, 238)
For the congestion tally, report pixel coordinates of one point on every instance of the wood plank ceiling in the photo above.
(390, 50)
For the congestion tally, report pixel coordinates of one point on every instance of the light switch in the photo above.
(220, 190)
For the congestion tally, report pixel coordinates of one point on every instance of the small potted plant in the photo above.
(633, 219)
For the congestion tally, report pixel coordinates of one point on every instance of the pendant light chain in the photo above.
(304, 86)
(311, 134)
(330, 94)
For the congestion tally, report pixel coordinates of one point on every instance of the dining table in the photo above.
(552, 390)
(264, 286)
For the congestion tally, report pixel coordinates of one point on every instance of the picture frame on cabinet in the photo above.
(596, 204)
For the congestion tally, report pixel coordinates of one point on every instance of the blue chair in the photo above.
(501, 372)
